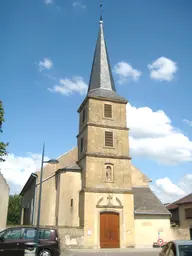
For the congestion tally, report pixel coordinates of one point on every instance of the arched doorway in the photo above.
(109, 230)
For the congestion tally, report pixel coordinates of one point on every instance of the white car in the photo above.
(177, 248)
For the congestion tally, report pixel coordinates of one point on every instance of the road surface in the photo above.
(115, 252)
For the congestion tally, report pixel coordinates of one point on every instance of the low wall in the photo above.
(71, 237)
(176, 233)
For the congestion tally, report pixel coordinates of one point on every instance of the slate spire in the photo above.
(101, 75)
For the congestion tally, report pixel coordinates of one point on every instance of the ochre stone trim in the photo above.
(109, 206)
(108, 99)
(102, 126)
(107, 190)
(108, 126)
(108, 156)
(119, 201)
(103, 156)
(100, 99)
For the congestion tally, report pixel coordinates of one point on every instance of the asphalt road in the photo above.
(133, 252)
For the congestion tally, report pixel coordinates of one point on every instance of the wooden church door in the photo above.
(109, 230)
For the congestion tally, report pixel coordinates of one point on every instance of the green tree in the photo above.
(3, 146)
(14, 210)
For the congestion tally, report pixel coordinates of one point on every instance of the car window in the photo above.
(185, 250)
(31, 233)
(46, 234)
(2, 233)
(13, 234)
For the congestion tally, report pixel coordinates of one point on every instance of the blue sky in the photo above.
(149, 43)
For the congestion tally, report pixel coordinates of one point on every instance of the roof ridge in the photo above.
(177, 201)
(66, 152)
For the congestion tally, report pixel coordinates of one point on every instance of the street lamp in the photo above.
(51, 161)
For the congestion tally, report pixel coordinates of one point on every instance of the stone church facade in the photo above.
(95, 188)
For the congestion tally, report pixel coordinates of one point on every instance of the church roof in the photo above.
(101, 82)
(72, 167)
(146, 202)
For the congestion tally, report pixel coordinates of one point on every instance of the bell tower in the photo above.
(103, 147)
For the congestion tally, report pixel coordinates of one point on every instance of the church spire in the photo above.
(101, 75)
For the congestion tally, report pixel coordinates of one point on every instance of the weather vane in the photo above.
(101, 9)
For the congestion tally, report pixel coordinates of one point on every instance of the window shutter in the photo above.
(108, 110)
(188, 213)
(109, 139)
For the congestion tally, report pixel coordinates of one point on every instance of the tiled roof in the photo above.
(146, 202)
(73, 167)
(183, 200)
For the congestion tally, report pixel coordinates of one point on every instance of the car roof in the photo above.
(182, 242)
(18, 227)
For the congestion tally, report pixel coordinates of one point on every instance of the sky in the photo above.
(48, 44)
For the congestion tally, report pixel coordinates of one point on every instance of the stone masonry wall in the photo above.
(71, 237)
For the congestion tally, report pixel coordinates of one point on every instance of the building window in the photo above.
(188, 213)
(108, 139)
(71, 203)
(81, 145)
(108, 110)
(83, 116)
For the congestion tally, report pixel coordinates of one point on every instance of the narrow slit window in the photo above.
(108, 110)
(83, 116)
(81, 145)
(71, 203)
(109, 139)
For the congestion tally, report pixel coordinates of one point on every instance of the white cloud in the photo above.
(45, 64)
(187, 122)
(124, 71)
(169, 192)
(162, 69)
(17, 169)
(79, 5)
(48, 1)
(169, 188)
(70, 86)
(152, 135)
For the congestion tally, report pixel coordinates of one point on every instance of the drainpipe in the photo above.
(34, 200)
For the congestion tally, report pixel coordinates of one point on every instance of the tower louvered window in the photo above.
(108, 110)
(108, 139)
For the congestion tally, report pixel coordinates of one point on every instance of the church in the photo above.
(95, 196)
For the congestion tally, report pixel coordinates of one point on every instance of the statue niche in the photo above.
(108, 173)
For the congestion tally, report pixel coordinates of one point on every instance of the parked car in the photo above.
(177, 248)
(14, 241)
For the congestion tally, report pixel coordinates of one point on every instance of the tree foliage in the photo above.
(14, 210)
(3, 145)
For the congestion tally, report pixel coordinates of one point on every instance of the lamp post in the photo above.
(51, 161)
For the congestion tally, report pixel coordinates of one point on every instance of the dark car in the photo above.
(14, 241)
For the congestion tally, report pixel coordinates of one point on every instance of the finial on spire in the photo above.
(101, 11)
